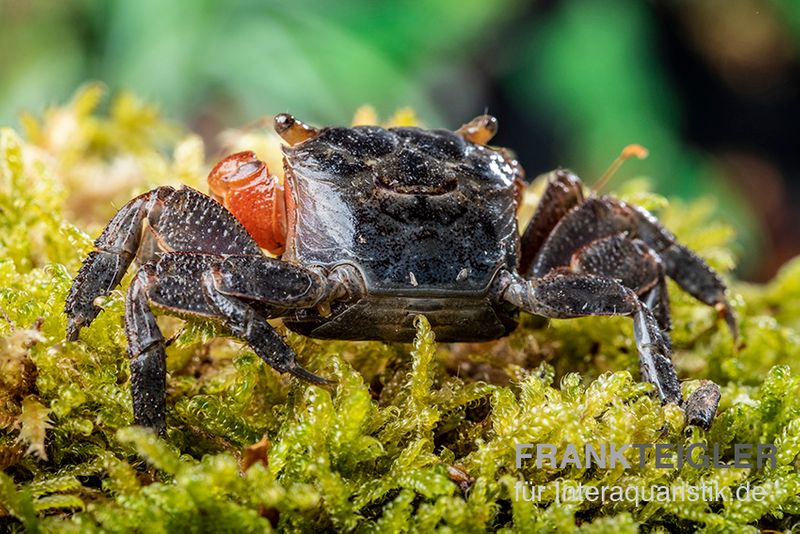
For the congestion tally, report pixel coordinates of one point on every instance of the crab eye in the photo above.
(293, 131)
(479, 130)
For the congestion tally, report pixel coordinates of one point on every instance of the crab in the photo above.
(372, 227)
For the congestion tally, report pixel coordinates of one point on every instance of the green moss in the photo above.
(249, 449)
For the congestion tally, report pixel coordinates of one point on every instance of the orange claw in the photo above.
(242, 183)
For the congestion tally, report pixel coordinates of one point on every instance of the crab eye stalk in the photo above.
(479, 130)
(242, 183)
(292, 130)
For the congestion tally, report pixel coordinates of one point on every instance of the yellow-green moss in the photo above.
(372, 453)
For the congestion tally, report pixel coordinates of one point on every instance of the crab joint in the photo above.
(479, 130)
(292, 130)
(242, 183)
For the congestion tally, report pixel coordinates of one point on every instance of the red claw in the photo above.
(242, 183)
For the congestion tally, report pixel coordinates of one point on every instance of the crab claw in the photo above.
(292, 130)
(242, 183)
(479, 130)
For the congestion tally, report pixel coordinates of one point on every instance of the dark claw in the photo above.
(725, 311)
(701, 405)
(74, 325)
(302, 373)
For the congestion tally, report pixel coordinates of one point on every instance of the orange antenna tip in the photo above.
(629, 151)
(637, 151)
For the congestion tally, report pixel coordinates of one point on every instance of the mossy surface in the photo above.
(412, 438)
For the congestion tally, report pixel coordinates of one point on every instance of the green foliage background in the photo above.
(251, 450)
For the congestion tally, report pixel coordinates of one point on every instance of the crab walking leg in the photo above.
(688, 270)
(600, 217)
(146, 352)
(103, 269)
(563, 192)
(169, 282)
(245, 322)
(634, 264)
(699, 280)
(185, 283)
(568, 295)
(164, 219)
(272, 282)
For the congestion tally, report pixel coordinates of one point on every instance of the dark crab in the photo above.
(374, 226)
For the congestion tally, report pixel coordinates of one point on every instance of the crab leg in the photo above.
(164, 219)
(600, 217)
(567, 295)
(631, 262)
(171, 283)
(146, 352)
(264, 280)
(103, 269)
(563, 193)
(245, 322)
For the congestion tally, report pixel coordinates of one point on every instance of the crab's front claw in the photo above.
(242, 183)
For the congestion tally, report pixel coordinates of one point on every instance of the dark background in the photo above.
(711, 87)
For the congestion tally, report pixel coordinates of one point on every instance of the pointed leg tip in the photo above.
(304, 374)
(726, 312)
(74, 326)
(733, 327)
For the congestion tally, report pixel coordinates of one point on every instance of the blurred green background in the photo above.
(710, 86)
